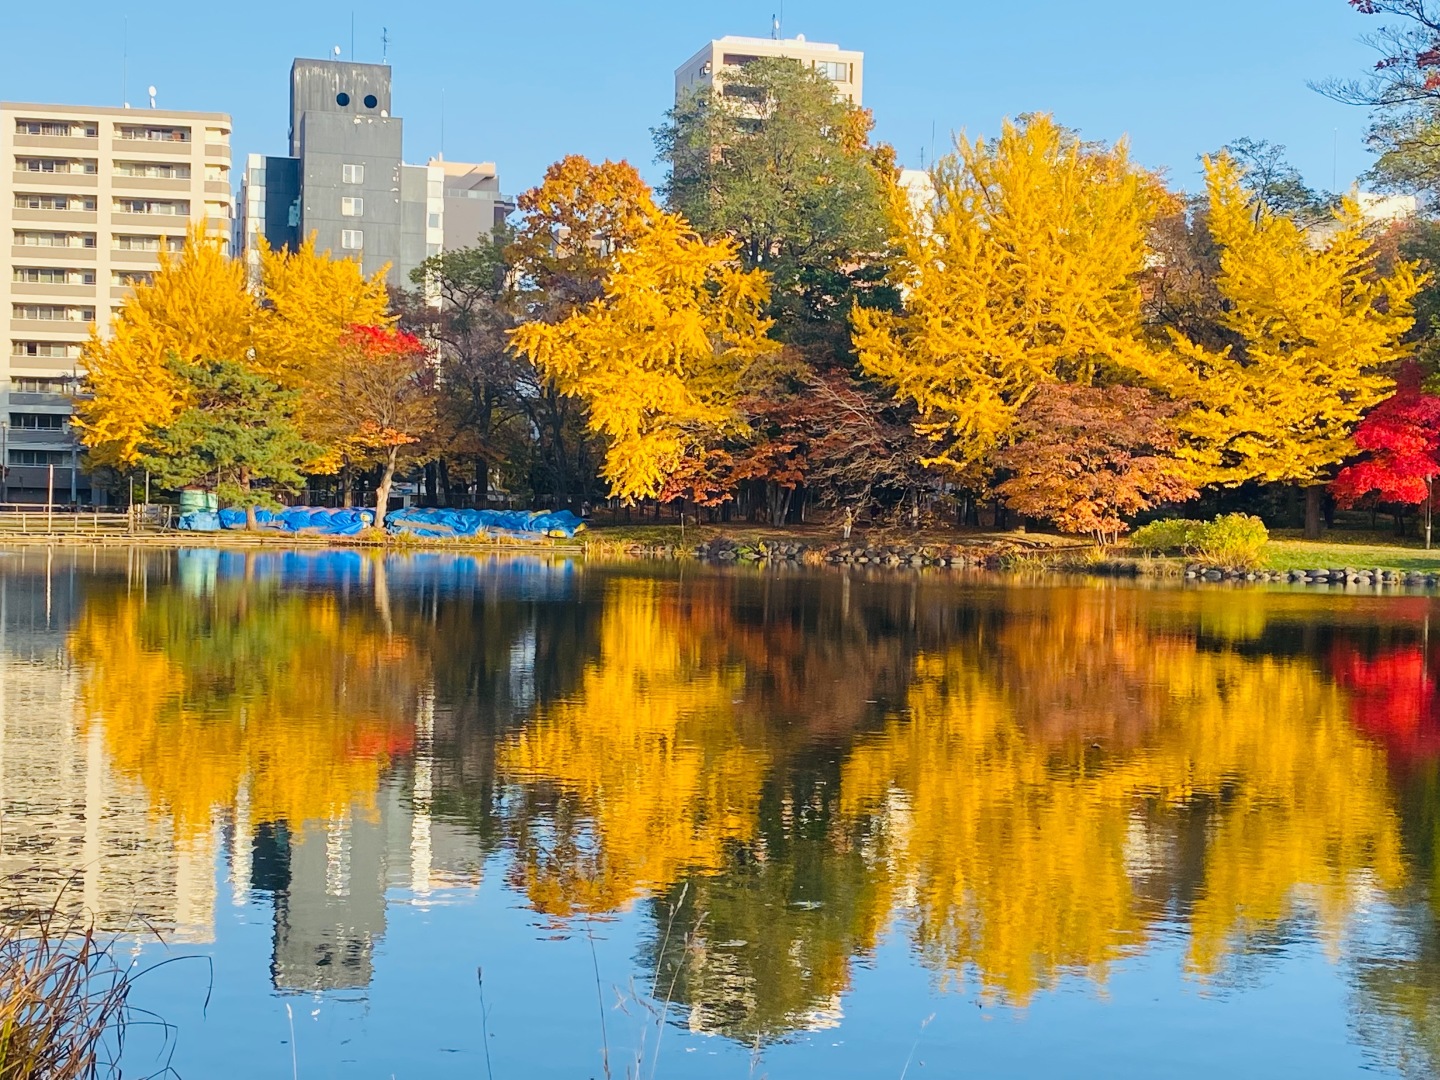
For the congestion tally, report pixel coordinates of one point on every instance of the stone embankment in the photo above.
(856, 554)
(1012, 557)
(1345, 576)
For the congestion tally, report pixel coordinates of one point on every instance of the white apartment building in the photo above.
(89, 197)
(844, 67)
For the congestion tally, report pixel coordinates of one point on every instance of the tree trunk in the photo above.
(347, 485)
(432, 482)
(482, 482)
(1313, 496)
(382, 490)
(250, 523)
(444, 469)
(779, 503)
(1429, 502)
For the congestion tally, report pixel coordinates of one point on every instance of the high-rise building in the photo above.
(473, 203)
(345, 180)
(88, 199)
(709, 66)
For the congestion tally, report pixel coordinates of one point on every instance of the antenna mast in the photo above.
(384, 45)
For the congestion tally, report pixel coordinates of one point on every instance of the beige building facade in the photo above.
(708, 67)
(91, 196)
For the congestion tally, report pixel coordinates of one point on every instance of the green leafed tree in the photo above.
(775, 159)
(237, 435)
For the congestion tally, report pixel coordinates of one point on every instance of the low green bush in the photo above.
(1232, 541)
(1169, 536)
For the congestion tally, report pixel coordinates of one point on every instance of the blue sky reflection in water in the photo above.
(841, 821)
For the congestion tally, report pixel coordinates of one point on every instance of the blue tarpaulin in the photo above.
(561, 524)
(436, 523)
(316, 521)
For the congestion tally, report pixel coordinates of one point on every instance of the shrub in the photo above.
(1234, 541)
(1173, 534)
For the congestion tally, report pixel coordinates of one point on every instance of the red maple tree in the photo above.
(1401, 440)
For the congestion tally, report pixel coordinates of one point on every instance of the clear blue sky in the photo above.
(525, 83)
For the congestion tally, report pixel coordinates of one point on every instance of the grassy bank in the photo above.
(1287, 551)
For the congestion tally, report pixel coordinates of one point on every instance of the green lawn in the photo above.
(1338, 551)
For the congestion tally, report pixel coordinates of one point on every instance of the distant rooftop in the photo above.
(798, 39)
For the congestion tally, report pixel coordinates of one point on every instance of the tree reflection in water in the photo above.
(1028, 784)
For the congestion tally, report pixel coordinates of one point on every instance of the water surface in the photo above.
(730, 822)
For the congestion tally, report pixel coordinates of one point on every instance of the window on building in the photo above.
(834, 70)
(39, 457)
(742, 92)
(352, 174)
(24, 421)
(738, 59)
(32, 384)
(53, 127)
(54, 275)
(352, 207)
(154, 134)
(352, 239)
(132, 277)
(137, 243)
(54, 313)
(152, 170)
(162, 207)
(432, 221)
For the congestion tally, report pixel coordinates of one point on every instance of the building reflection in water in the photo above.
(779, 771)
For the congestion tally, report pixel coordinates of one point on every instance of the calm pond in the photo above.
(728, 822)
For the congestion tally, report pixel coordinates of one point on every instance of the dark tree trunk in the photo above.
(444, 468)
(778, 503)
(432, 482)
(250, 523)
(1314, 495)
(347, 485)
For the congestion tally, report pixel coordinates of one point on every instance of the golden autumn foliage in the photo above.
(1025, 270)
(312, 300)
(277, 695)
(575, 221)
(1017, 815)
(661, 360)
(199, 307)
(1320, 328)
(1017, 848)
(652, 755)
(196, 307)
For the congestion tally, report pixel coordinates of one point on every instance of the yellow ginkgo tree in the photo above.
(1023, 270)
(1318, 328)
(197, 306)
(662, 359)
(311, 302)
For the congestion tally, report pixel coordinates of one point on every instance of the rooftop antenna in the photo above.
(125, 64)
(384, 45)
(774, 27)
(151, 91)
(337, 52)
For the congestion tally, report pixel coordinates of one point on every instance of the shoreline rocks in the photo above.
(896, 556)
